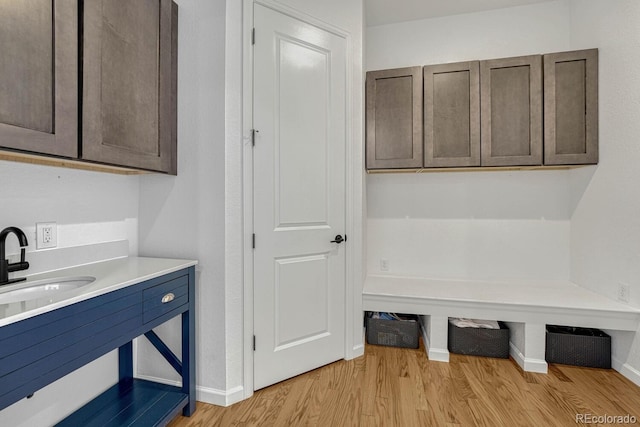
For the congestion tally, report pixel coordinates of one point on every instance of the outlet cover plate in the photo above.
(623, 292)
(46, 235)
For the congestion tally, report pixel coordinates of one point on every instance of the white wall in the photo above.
(605, 227)
(516, 31)
(475, 225)
(481, 225)
(183, 216)
(88, 207)
(96, 213)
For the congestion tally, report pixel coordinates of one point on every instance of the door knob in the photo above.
(339, 239)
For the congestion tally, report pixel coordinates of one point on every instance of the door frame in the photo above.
(354, 342)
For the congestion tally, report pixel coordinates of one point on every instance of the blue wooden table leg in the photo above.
(125, 366)
(189, 348)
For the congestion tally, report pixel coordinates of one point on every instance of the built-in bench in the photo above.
(527, 307)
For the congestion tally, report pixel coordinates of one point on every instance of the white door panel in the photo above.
(304, 280)
(302, 133)
(299, 196)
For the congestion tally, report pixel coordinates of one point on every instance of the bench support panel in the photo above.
(529, 350)
(435, 335)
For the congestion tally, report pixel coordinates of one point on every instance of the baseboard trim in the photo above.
(527, 364)
(433, 354)
(626, 370)
(438, 355)
(220, 397)
(206, 394)
(356, 351)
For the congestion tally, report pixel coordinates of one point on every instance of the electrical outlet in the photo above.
(384, 265)
(623, 292)
(46, 235)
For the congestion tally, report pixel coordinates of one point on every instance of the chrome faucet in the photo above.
(5, 267)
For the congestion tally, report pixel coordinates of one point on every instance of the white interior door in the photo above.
(299, 196)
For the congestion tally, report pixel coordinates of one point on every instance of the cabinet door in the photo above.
(129, 83)
(571, 108)
(452, 115)
(38, 76)
(511, 111)
(394, 118)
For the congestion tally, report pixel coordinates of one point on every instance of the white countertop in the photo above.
(110, 276)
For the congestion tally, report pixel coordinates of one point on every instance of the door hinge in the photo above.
(253, 241)
(253, 36)
(254, 343)
(253, 137)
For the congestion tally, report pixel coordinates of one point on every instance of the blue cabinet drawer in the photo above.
(164, 298)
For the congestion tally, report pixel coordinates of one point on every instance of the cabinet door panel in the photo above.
(452, 115)
(571, 107)
(27, 53)
(129, 52)
(130, 74)
(511, 94)
(394, 118)
(38, 76)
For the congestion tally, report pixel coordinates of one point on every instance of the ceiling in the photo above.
(380, 12)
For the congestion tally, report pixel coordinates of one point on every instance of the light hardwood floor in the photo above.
(400, 387)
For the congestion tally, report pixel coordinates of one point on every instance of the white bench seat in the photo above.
(531, 305)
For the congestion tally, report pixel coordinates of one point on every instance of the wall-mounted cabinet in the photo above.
(452, 115)
(127, 108)
(486, 113)
(571, 108)
(39, 76)
(129, 84)
(511, 114)
(394, 118)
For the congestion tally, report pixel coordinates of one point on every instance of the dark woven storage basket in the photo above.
(394, 333)
(578, 346)
(479, 341)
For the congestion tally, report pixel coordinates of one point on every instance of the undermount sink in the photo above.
(46, 288)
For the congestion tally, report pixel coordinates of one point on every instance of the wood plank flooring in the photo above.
(400, 387)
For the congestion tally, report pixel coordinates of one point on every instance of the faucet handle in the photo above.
(17, 266)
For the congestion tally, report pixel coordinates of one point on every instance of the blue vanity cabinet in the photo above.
(39, 350)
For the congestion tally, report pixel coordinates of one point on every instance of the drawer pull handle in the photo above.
(168, 298)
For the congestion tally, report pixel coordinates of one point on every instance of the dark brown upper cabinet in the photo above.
(394, 118)
(39, 76)
(452, 115)
(129, 83)
(571, 108)
(511, 111)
